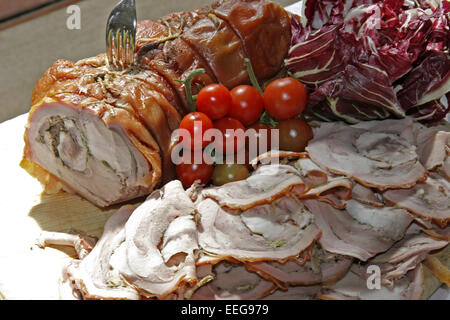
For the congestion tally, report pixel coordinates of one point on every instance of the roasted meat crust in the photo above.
(89, 125)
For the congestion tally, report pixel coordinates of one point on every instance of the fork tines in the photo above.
(120, 49)
(121, 34)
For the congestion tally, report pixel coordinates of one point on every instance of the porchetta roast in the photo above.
(106, 135)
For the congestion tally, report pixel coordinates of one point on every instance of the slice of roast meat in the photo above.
(366, 195)
(234, 282)
(311, 172)
(335, 191)
(405, 255)
(432, 147)
(427, 200)
(322, 268)
(159, 252)
(278, 231)
(353, 286)
(266, 184)
(360, 231)
(94, 277)
(373, 158)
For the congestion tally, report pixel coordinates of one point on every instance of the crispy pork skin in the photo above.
(106, 135)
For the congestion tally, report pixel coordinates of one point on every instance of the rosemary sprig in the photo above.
(252, 75)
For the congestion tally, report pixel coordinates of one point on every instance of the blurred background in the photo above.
(34, 33)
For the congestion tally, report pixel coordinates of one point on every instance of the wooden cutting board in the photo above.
(27, 271)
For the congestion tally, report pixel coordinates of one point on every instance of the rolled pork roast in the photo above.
(106, 135)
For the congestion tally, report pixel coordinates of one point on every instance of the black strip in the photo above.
(23, 13)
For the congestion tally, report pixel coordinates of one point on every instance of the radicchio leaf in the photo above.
(369, 59)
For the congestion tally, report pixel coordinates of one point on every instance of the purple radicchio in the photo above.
(369, 59)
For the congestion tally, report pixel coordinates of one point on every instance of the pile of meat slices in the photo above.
(372, 196)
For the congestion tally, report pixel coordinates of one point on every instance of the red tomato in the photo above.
(214, 100)
(194, 123)
(247, 104)
(285, 98)
(224, 125)
(189, 173)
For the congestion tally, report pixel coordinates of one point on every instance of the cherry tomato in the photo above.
(189, 173)
(294, 135)
(225, 173)
(259, 134)
(225, 125)
(285, 98)
(214, 100)
(247, 104)
(195, 122)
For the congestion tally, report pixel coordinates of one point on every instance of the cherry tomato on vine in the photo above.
(214, 100)
(196, 123)
(229, 128)
(285, 98)
(294, 135)
(225, 173)
(189, 173)
(247, 104)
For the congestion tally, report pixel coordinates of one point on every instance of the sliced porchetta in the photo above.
(428, 200)
(311, 173)
(160, 248)
(234, 282)
(278, 231)
(322, 268)
(359, 231)
(81, 111)
(95, 277)
(266, 184)
(355, 286)
(335, 191)
(277, 157)
(432, 146)
(374, 158)
(405, 255)
(366, 195)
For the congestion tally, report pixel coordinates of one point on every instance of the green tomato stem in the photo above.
(188, 85)
(252, 75)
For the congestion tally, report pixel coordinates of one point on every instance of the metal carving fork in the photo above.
(121, 35)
